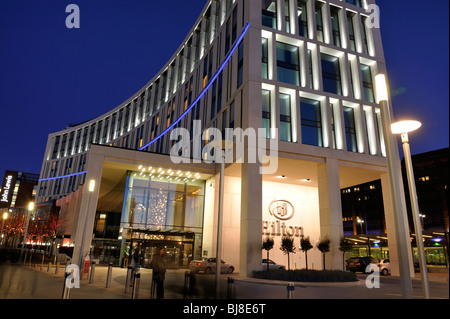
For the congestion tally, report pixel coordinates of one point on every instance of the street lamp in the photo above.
(91, 189)
(422, 216)
(224, 146)
(396, 186)
(403, 128)
(30, 209)
(360, 222)
(5, 216)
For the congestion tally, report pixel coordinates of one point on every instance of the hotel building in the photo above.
(302, 70)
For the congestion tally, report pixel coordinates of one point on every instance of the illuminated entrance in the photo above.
(162, 209)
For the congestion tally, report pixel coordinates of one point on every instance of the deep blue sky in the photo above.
(51, 76)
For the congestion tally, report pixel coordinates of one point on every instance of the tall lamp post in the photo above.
(403, 127)
(80, 263)
(5, 217)
(224, 146)
(30, 209)
(395, 183)
(360, 222)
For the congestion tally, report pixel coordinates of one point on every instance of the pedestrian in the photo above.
(135, 260)
(158, 264)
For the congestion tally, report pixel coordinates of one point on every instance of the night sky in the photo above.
(51, 76)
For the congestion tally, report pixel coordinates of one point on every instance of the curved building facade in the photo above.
(301, 70)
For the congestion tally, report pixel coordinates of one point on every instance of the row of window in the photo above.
(338, 26)
(144, 118)
(150, 101)
(288, 70)
(316, 121)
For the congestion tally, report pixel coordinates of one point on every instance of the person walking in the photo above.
(158, 264)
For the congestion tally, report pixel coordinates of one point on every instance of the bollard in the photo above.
(128, 280)
(48, 267)
(91, 276)
(109, 275)
(56, 269)
(187, 282)
(230, 288)
(25, 258)
(136, 283)
(290, 290)
(153, 287)
(66, 290)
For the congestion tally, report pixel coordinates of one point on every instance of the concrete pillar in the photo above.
(94, 171)
(251, 218)
(330, 209)
(390, 229)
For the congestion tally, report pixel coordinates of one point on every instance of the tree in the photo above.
(287, 246)
(305, 245)
(345, 247)
(267, 245)
(324, 246)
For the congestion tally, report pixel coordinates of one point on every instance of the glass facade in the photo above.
(302, 18)
(350, 129)
(311, 122)
(366, 76)
(288, 68)
(331, 74)
(162, 210)
(269, 13)
(266, 112)
(285, 118)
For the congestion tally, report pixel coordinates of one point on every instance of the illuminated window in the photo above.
(269, 13)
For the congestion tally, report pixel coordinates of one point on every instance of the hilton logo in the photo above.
(281, 209)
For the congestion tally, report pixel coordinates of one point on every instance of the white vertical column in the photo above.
(390, 228)
(330, 210)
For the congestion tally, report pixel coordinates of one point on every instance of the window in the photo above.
(266, 112)
(351, 31)
(287, 16)
(302, 18)
(311, 122)
(310, 66)
(331, 74)
(335, 25)
(227, 37)
(333, 126)
(355, 2)
(285, 118)
(350, 129)
(56, 147)
(240, 65)
(287, 63)
(319, 21)
(269, 13)
(366, 76)
(366, 40)
(265, 59)
(234, 25)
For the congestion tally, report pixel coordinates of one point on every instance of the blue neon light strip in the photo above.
(227, 59)
(52, 178)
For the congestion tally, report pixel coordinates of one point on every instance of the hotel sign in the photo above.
(283, 211)
(8, 185)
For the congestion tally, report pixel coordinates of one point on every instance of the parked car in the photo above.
(384, 265)
(272, 265)
(359, 264)
(208, 265)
